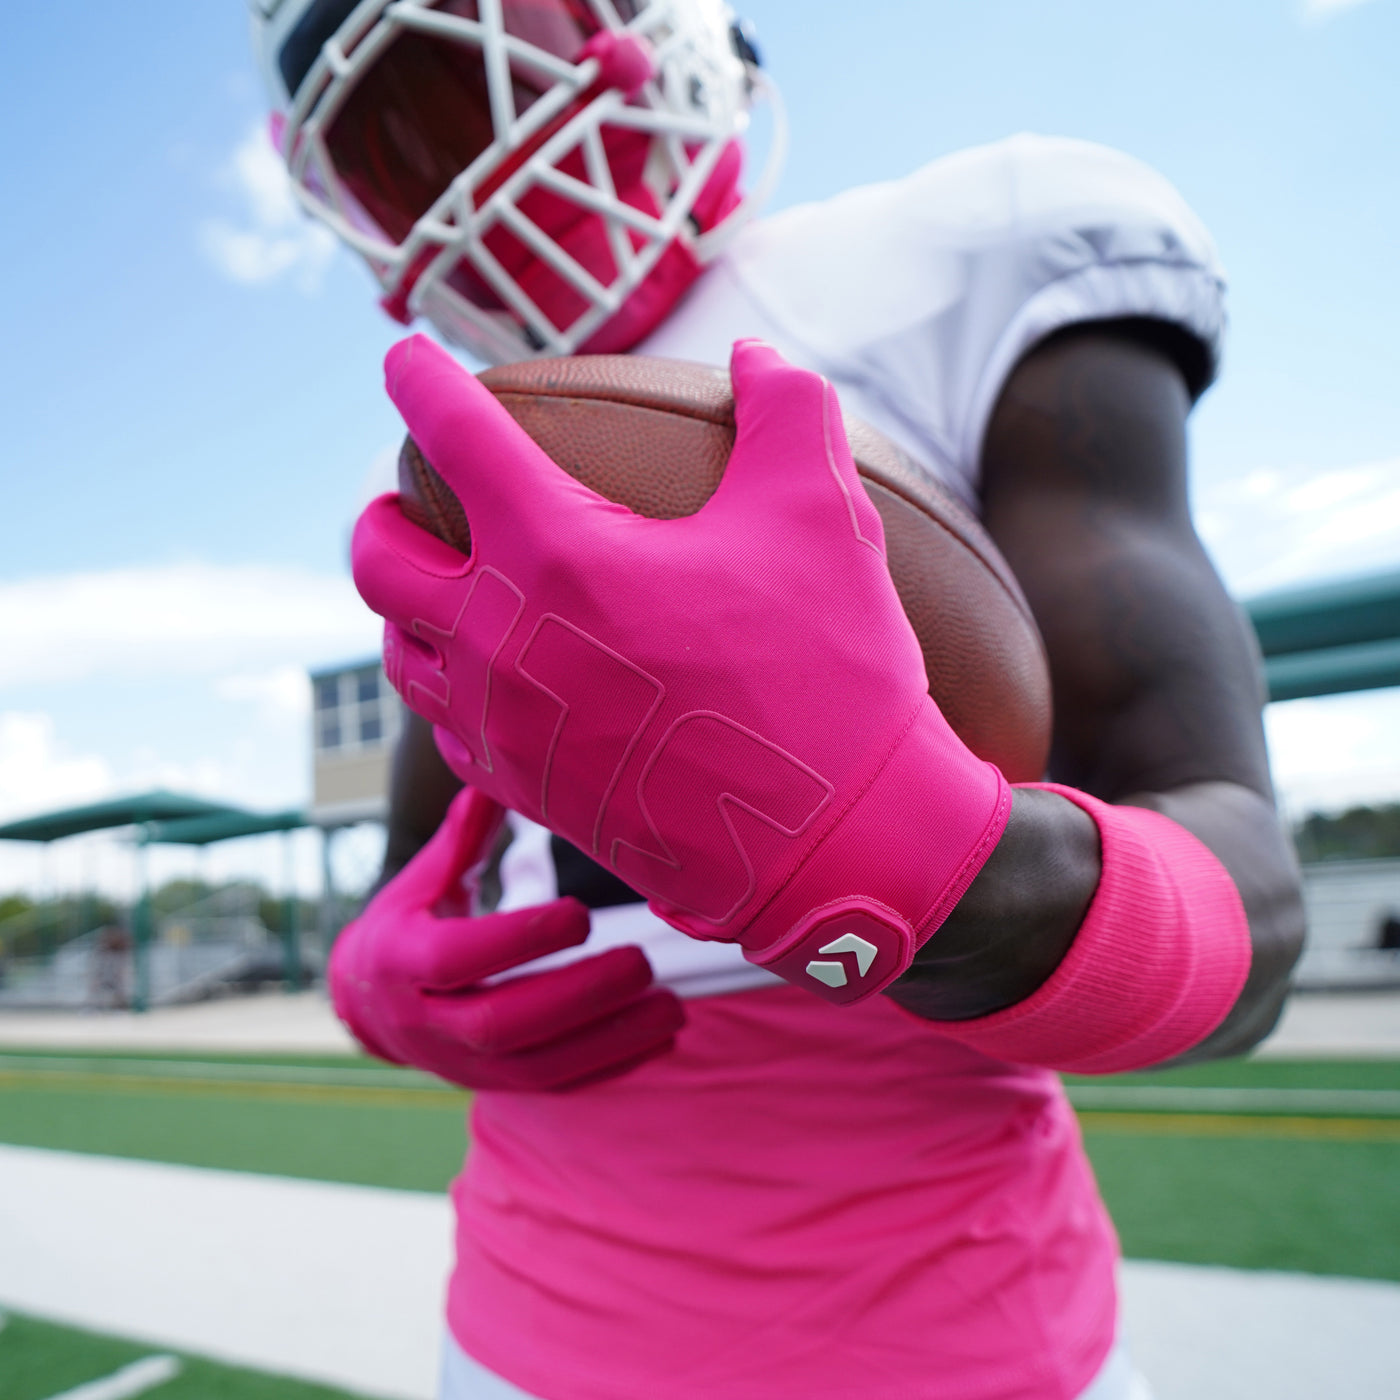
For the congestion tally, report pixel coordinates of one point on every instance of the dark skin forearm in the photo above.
(1154, 673)
(421, 788)
(1008, 933)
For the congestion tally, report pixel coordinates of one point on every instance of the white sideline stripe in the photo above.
(135, 1379)
(343, 1285)
(1235, 1334)
(331, 1283)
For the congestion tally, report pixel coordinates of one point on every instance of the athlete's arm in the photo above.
(421, 788)
(1155, 676)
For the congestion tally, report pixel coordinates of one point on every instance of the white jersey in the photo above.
(916, 299)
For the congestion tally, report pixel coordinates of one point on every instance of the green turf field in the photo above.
(349, 1120)
(39, 1360)
(1268, 1164)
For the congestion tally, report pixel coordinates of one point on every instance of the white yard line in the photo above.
(333, 1283)
(303, 1024)
(1363, 1025)
(1235, 1334)
(1357, 1025)
(343, 1284)
(135, 1379)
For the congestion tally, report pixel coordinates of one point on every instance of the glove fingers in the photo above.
(790, 440)
(347, 989)
(414, 669)
(492, 465)
(445, 955)
(542, 1006)
(460, 843)
(399, 568)
(780, 436)
(645, 1028)
(455, 754)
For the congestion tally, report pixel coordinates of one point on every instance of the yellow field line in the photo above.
(1164, 1124)
(64, 1082)
(1240, 1125)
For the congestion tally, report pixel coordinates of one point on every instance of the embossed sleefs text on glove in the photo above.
(729, 710)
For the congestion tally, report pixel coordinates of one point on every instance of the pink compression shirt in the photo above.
(908, 1218)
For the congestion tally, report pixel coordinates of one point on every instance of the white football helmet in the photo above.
(536, 177)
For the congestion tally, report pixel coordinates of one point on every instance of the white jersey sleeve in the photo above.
(917, 297)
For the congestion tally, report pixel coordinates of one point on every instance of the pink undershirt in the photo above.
(800, 1201)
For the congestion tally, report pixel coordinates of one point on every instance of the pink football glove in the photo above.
(408, 983)
(728, 710)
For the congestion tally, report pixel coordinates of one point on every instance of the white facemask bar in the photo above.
(455, 227)
(467, 233)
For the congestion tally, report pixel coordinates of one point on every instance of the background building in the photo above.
(355, 721)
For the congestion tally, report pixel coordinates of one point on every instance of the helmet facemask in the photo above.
(534, 176)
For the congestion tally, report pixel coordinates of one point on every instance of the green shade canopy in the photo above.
(1342, 613)
(1333, 670)
(221, 826)
(118, 811)
(1330, 638)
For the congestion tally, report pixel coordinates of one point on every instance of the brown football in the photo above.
(654, 435)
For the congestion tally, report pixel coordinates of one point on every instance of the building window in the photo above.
(354, 709)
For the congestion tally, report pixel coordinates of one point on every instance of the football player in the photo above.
(693, 1175)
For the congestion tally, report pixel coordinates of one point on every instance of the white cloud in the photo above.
(1282, 526)
(243, 635)
(382, 475)
(1319, 11)
(272, 237)
(281, 694)
(38, 773)
(205, 775)
(1335, 751)
(178, 619)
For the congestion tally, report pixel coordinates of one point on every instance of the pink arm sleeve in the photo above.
(1155, 967)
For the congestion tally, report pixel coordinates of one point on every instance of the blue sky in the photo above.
(191, 379)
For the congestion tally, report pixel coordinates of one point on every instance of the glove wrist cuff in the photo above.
(902, 856)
